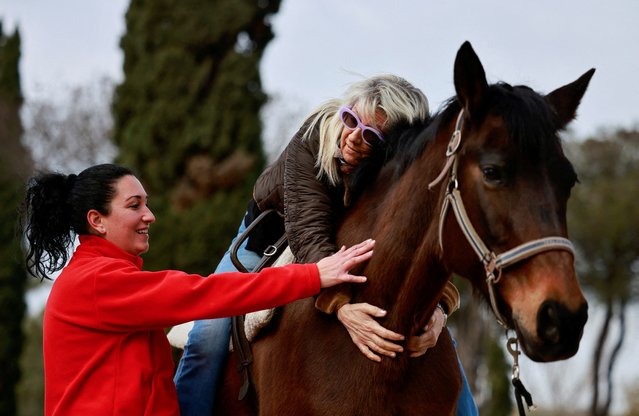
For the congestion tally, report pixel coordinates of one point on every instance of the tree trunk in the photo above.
(614, 355)
(597, 358)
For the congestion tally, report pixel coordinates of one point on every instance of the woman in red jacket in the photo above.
(105, 351)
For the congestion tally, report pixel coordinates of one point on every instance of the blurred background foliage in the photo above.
(187, 118)
(14, 168)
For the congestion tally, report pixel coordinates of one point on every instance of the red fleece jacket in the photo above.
(105, 350)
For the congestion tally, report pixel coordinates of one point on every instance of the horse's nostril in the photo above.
(559, 326)
(549, 323)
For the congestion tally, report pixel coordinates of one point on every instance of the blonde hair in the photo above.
(397, 98)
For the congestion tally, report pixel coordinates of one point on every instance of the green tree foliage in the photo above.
(13, 167)
(187, 119)
(604, 224)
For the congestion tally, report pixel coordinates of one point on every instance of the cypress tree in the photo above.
(14, 166)
(187, 119)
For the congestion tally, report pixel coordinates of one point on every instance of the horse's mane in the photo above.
(403, 144)
(528, 116)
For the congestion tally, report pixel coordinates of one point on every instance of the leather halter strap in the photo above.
(493, 263)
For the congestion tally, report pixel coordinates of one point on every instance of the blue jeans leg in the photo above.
(466, 405)
(206, 349)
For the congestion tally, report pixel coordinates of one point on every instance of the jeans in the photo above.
(466, 405)
(206, 349)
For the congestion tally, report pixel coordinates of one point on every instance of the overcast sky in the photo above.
(321, 46)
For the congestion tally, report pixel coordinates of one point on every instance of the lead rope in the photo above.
(512, 344)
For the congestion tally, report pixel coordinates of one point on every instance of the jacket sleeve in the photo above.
(333, 298)
(309, 207)
(126, 297)
(450, 299)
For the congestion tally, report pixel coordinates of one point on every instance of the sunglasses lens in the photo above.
(349, 120)
(371, 137)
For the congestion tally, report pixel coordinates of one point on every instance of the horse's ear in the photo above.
(470, 80)
(566, 99)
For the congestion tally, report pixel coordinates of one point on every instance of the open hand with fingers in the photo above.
(372, 338)
(335, 269)
(368, 335)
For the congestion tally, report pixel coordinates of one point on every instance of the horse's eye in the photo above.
(492, 174)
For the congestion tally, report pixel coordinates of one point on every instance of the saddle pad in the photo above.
(253, 322)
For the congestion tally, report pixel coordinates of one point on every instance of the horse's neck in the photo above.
(409, 273)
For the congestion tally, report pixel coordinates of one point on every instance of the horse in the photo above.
(481, 191)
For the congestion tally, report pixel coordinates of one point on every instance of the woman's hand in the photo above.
(418, 345)
(335, 269)
(367, 334)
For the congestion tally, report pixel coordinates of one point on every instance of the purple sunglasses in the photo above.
(370, 136)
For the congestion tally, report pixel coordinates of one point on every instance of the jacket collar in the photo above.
(98, 246)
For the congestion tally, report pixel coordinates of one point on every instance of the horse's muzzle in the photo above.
(559, 332)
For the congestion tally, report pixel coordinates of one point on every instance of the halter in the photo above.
(493, 263)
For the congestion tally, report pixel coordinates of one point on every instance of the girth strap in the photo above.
(242, 348)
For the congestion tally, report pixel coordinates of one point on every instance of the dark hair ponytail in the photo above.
(55, 211)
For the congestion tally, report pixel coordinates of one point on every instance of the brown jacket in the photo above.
(312, 208)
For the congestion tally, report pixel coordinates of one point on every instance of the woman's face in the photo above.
(353, 147)
(127, 225)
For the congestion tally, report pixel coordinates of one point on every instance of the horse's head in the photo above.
(514, 181)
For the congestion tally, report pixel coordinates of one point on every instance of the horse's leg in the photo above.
(227, 403)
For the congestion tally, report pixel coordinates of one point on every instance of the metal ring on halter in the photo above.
(453, 184)
(495, 277)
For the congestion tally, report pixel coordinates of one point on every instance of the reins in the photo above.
(493, 263)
